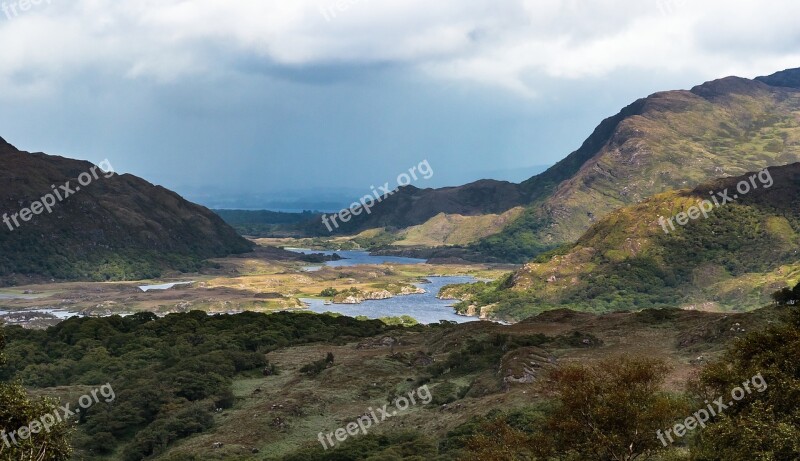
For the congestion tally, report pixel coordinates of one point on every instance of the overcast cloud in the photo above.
(265, 96)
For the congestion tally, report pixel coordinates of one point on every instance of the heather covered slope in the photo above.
(670, 140)
(116, 228)
(732, 260)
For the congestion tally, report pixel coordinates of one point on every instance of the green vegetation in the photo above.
(375, 240)
(118, 228)
(519, 241)
(734, 259)
(18, 410)
(409, 446)
(787, 296)
(608, 411)
(97, 266)
(766, 425)
(329, 292)
(169, 374)
(482, 354)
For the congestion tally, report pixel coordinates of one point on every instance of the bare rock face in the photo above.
(361, 296)
(523, 366)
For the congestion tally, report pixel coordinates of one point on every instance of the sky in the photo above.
(259, 102)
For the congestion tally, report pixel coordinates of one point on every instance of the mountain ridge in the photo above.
(116, 228)
(669, 140)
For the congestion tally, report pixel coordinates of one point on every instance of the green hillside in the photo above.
(732, 260)
(116, 227)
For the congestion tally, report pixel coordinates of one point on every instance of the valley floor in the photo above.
(258, 281)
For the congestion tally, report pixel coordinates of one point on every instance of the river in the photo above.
(425, 308)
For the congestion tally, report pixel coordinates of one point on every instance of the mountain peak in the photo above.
(724, 87)
(6, 147)
(789, 78)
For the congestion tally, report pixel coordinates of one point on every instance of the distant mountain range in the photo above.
(329, 199)
(669, 140)
(114, 228)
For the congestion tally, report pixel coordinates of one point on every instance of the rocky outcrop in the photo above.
(525, 365)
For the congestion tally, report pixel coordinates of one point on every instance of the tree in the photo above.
(17, 411)
(787, 296)
(329, 293)
(782, 297)
(766, 423)
(609, 411)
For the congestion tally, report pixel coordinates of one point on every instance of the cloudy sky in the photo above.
(283, 97)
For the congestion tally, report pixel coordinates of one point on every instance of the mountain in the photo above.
(410, 206)
(669, 140)
(636, 258)
(113, 227)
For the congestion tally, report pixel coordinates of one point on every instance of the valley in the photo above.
(565, 318)
(266, 280)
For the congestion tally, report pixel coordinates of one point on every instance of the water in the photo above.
(425, 308)
(163, 286)
(57, 313)
(356, 258)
